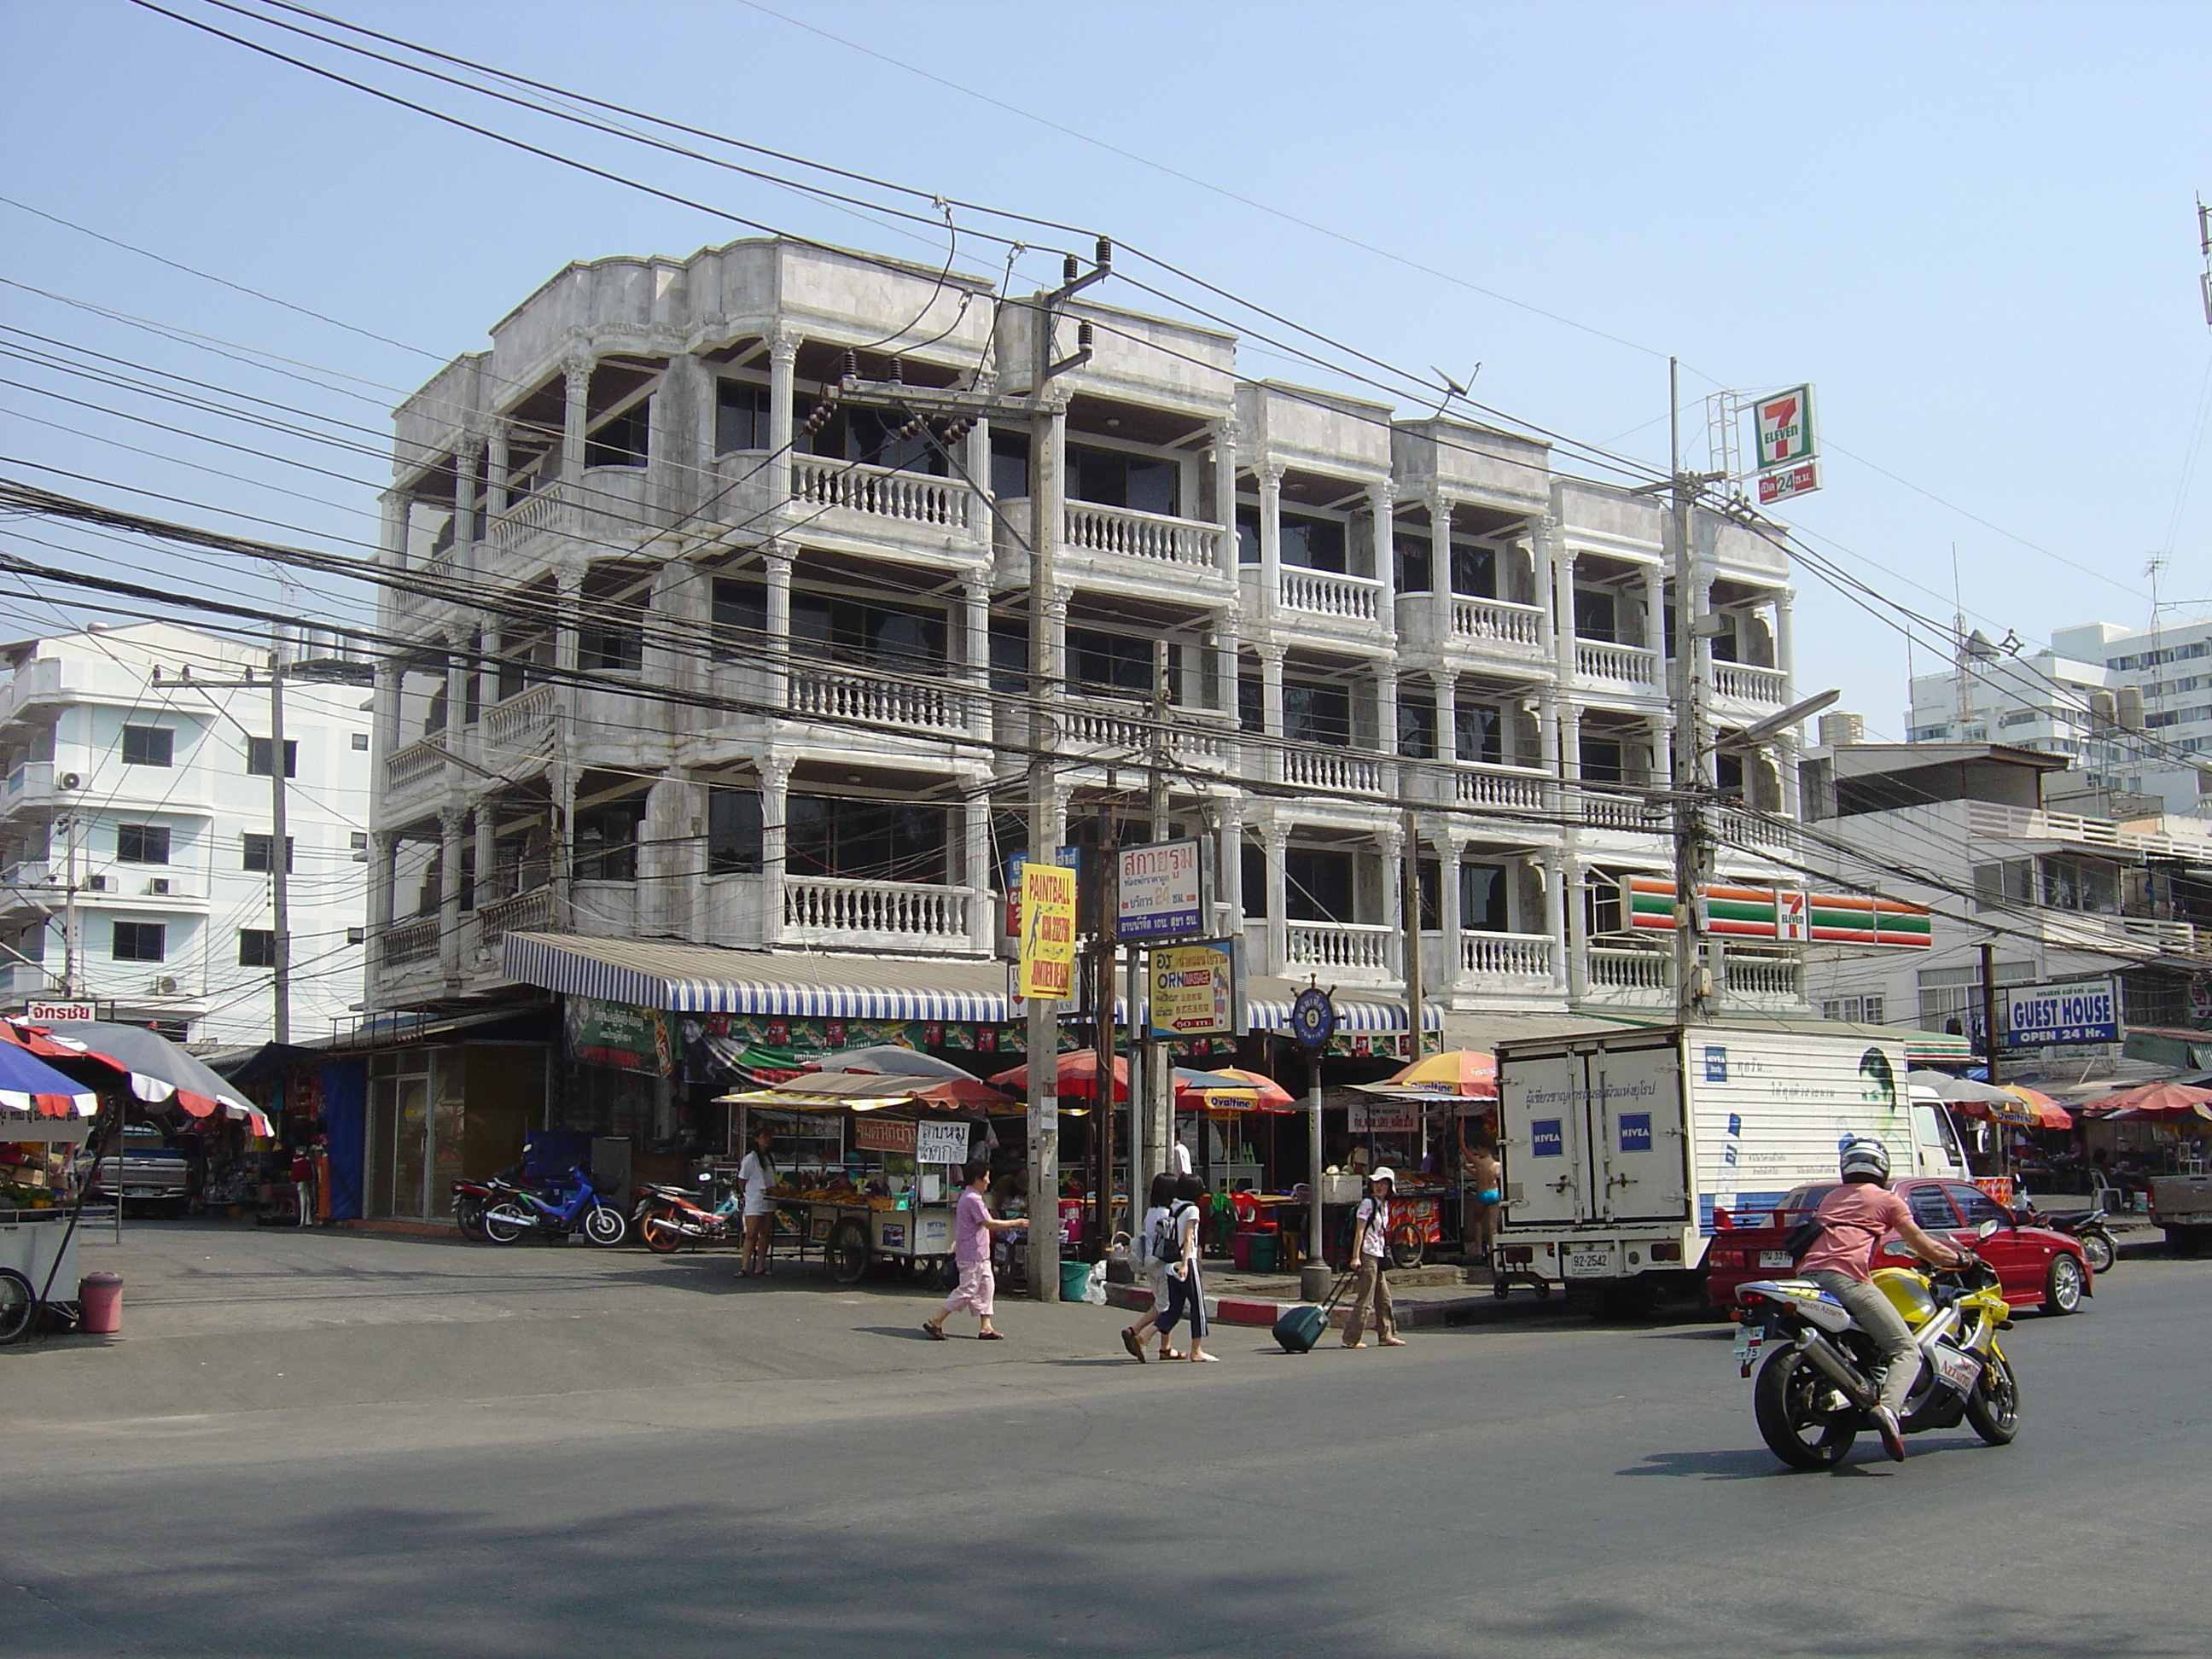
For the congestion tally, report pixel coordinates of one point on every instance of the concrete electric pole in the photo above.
(1692, 756)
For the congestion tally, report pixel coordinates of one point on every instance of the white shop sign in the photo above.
(940, 1143)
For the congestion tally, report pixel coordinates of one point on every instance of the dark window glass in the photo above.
(1247, 534)
(1597, 614)
(1010, 464)
(142, 843)
(1313, 543)
(1727, 775)
(606, 842)
(1429, 879)
(610, 629)
(873, 438)
(256, 757)
(1253, 860)
(1413, 564)
(1417, 727)
(1975, 1205)
(1479, 733)
(829, 629)
(1251, 705)
(257, 852)
(1482, 903)
(1111, 662)
(140, 941)
(1726, 647)
(1930, 1208)
(257, 947)
(1601, 761)
(622, 440)
(1112, 477)
(1316, 714)
(865, 840)
(148, 745)
(360, 739)
(1010, 656)
(1475, 571)
(740, 416)
(740, 619)
(1317, 885)
(734, 832)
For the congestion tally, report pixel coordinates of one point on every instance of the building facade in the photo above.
(136, 838)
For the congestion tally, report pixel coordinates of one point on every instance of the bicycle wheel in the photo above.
(17, 1302)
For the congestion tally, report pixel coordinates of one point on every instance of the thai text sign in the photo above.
(2046, 1015)
(1048, 948)
(1779, 485)
(59, 1013)
(617, 1034)
(1648, 906)
(1193, 989)
(940, 1143)
(1384, 1117)
(1161, 894)
(1785, 427)
(872, 1134)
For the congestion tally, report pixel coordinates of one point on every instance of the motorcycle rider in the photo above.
(1855, 1219)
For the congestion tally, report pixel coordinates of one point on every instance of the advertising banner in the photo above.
(1194, 989)
(872, 1134)
(2049, 1016)
(616, 1034)
(1648, 906)
(1384, 1117)
(1048, 936)
(1783, 483)
(1161, 893)
(1785, 427)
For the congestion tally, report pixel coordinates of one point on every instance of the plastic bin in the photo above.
(100, 1297)
(1240, 1251)
(1075, 1280)
(1263, 1253)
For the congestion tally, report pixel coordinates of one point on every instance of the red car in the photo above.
(2036, 1267)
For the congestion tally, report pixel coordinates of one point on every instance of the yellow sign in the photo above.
(1047, 958)
(1193, 989)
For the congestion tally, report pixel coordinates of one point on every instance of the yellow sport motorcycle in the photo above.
(1820, 1378)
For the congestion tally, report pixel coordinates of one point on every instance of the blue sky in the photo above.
(1971, 226)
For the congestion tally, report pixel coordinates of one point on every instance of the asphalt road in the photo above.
(339, 1446)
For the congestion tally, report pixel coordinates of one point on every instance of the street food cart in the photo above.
(880, 1170)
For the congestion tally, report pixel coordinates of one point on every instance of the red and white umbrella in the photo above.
(159, 1072)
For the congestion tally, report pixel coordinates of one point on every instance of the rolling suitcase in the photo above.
(1298, 1328)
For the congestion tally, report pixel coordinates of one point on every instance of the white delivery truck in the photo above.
(1618, 1145)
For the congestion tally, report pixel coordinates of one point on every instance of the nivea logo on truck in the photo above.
(1544, 1139)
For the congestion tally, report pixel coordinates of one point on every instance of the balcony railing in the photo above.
(408, 941)
(1601, 811)
(1506, 956)
(413, 767)
(1091, 528)
(1488, 785)
(1627, 665)
(832, 910)
(860, 697)
(1324, 594)
(1629, 970)
(1357, 947)
(546, 509)
(1987, 820)
(882, 492)
(1494, 622)
(1742, 683)
(517, 914)
(1772, 977)
(521, 718)
(1330, 769)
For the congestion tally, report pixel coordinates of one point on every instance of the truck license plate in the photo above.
(1775, 1259)
(1589, 1264)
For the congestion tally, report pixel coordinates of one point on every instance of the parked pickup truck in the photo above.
(2181, 1204)
(153, 1171)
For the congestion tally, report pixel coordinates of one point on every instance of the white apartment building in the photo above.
(2159, 683)
(135, 840)
(703, 656)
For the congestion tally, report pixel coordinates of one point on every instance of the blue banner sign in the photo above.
(1636, 1132)
(1544, 1139)
(2042, 1015)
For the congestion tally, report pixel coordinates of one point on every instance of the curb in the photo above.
(1243, 1311)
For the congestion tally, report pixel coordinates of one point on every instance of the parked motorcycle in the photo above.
(470, 1200)
(1818, 1384)
(2099, 1247)
(516, 1211)
(666, 1218)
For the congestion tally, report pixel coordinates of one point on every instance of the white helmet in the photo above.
(1862, 1157)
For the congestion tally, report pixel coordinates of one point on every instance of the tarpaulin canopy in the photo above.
(862, 1092)
(889, 1060)
(159, 1072)
(1229, 1090)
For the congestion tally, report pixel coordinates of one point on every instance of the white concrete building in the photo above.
(2139, 763)
(148, 792)
(690, 666)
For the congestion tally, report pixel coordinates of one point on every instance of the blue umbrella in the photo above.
(29, 1085)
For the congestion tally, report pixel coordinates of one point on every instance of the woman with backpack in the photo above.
(1160, 1201)
(1185, 1293)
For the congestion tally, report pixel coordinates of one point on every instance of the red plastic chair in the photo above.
(1251, 1219)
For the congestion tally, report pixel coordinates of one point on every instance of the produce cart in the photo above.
(883, 1155)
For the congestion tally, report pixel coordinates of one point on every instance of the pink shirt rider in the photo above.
(1858, 1215)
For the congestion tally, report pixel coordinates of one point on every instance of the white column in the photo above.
(1446, 682)
(782, 358)
(486, 837)
(496, 468)
(1382, 498)
(575, 410)
(1785, 650)
(1270, 709)
(1785, 767)
(975, 867)
(1543, 563)
(1576, 936)
(383, 850)
(453, 822)
(1563, 613)
(457, 685)
(1229, 866)
(1450, 850)
(1392, 845)
(1276, 839)
(777, 563)
(468, 462)
(775, 799)
(1440, 587)
(974, 655)
(1655, 619)
(1224, 494)
(1270, 538)
(1555, 917)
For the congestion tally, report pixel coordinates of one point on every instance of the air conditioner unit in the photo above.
(95, 884)
(166, 985)
(159, 886)
(68, 780)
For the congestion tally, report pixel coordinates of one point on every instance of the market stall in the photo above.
(869, 1163)
(1425, 1121)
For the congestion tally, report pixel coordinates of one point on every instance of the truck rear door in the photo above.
(1640, 1147)
(1543, 1144)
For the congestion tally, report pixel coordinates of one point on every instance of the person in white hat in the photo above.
(1371, 1238)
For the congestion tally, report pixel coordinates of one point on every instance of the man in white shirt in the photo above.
(1371, 1239)
(1179, 1157)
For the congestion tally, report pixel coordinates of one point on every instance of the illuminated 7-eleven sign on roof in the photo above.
(1785, 427)
(1783, 913)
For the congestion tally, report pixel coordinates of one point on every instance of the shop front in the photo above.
(407, 1113)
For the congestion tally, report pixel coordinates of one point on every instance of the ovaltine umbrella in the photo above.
(159, 1072)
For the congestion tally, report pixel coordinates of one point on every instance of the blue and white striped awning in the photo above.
(707, 979)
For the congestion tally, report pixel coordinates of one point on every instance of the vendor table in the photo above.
(851, 1233)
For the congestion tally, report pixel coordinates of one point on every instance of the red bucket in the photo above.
(101, 1296)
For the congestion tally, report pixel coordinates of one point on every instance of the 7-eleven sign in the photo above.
(1785, 427)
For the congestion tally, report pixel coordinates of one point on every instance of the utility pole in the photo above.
(1159, 1096)
(1409, 913)
(280, 859)
(1988, 951)
(69, 908)
(1693, 763)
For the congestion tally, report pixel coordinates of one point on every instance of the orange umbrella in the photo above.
(1455, 1071)
(2151, 1100)
(1078, 1075)
(1273, 1097)
(2049, 1113)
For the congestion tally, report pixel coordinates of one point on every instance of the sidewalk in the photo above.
(1430, 1296)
